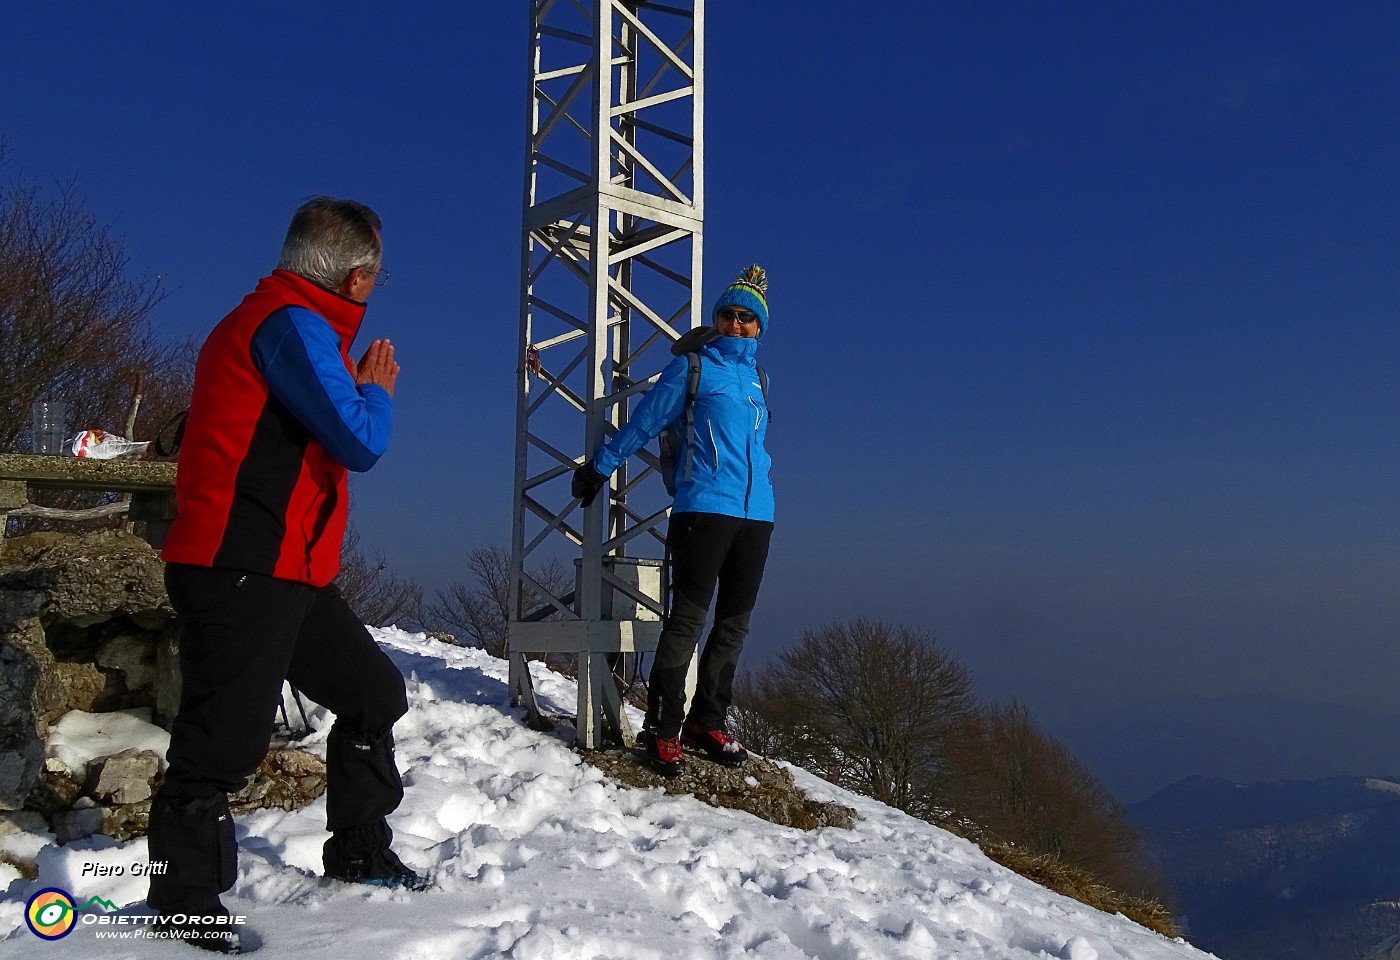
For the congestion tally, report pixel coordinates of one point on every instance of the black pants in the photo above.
(706, 549)
(241, 635)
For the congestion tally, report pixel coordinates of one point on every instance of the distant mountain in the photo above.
(1336, 933)
(1138, 748)
(1294, 870)
(1208, 803)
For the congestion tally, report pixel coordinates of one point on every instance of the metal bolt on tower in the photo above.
(609, 276)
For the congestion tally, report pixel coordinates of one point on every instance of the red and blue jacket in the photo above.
(275, 421)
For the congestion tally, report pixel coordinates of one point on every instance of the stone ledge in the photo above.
(121, 476)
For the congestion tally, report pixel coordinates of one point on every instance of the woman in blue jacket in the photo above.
(721, 522)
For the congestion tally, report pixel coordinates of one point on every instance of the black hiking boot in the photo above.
(362, 855)
(663, 754)
(194, 840)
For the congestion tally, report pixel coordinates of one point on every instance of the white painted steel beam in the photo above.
(610, 267)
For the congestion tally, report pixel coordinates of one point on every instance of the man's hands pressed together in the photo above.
(377, 366)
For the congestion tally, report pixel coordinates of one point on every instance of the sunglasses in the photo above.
(739, 316)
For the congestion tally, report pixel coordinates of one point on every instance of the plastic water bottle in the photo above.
(50, 427)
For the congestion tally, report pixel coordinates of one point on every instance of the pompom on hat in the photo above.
(749, 291)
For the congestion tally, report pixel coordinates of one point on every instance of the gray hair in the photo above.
(328, 238)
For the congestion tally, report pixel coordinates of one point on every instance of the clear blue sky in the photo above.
(1084, 331)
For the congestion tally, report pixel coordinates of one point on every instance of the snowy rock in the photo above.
(80, 738)
(123, 777)
(84, 624)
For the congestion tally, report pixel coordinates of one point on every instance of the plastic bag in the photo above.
(100, 445)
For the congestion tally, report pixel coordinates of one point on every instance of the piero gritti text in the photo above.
(139, 868)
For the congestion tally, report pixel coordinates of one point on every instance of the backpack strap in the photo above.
(689, 346)
(694, 339)
(172, 447)
(692, 390)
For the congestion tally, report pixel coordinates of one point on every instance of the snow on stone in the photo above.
(79, 738)
(537, 856)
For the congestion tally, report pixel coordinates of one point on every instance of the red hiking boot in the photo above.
(718, 745)
(663, 754)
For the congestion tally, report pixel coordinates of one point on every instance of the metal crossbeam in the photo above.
(610, 264)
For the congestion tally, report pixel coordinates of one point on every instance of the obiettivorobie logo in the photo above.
(51, 913)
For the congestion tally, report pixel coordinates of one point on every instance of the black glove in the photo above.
(587, 482)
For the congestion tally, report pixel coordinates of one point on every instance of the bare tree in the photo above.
(869, 705)
(378, 597)
(73, 323)
(478, 610)
(1024, 787)
(880, 709)
(759, 723)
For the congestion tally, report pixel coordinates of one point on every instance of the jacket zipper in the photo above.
(758, 419)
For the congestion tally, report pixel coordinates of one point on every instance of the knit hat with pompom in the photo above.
(749, 291)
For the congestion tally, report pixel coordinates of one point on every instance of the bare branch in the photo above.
(477, 610)
(869, 705)
(73, 324)
(378, 597)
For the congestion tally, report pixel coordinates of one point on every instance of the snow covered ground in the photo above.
(538, 857)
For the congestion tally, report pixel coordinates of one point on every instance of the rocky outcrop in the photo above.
(84, 624)
(114, 798)
(759, 787)
(89, 578)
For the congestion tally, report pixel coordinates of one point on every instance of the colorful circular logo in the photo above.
(50, 914)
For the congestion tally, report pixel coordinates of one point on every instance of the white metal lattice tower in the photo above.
(610, 270)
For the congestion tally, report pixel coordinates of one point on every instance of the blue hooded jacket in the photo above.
(729, 471)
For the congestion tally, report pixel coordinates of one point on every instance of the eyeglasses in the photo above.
(380, 276)
(738, 316)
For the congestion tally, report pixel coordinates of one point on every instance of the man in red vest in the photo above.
(279, 414)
